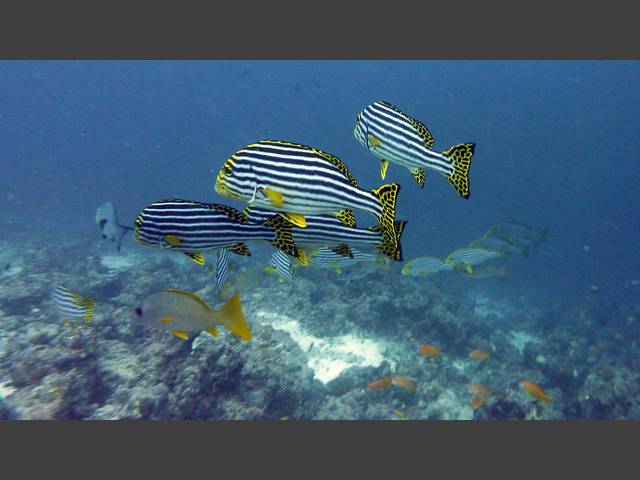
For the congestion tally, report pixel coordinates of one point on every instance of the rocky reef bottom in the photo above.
(318, 344)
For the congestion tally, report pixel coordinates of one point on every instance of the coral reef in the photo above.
(317, 344)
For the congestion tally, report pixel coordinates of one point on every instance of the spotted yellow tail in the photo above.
(460, 156)
(387, 196)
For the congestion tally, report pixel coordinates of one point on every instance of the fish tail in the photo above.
(387, 196)
(233, 318)
(283, 239)
(393, 250)
(460, 156)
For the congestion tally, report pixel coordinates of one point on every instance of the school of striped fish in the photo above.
(302, 200)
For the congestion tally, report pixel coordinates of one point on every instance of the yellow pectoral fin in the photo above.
(295, 218)
(468, 268)
(274, 197)
(180, 334)
(383, 168)
(167, 319)
(374, 141)
(172, 240)
(211, 331)
(302, 258)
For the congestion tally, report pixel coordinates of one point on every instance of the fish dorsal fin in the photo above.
(240, 248)
(347, 217)
(418, 174)
(420, 127)
(196, 257)
(193, 296)
(230, 212)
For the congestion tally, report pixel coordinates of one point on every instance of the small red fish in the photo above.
(480, 355)
(429, 350)
(534, 390)
(404, 382)
(382, 383)
(478, 401)
(479, 389)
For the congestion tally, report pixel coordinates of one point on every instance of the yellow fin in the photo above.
(337, 270)
(460, 157)
(302, 257)
(167, 319)
(172, 240)
(180, 334)
(211, 331)
(374, 141)
(418, 174)
(297, 219)
(468, 268)
(269, 269)
(347, 217)
(274, 197)
(196, 257)
(231, 316)
(383, 168)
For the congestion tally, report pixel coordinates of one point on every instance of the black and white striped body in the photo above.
(323, 230)
(310, 181)
(391, 135)
(195, 226)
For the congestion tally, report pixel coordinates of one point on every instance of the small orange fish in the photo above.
(382, 383)
(429, 350)
(479, 389)
(480, 355)
(404, 382)
(477, 401)
(534, 390)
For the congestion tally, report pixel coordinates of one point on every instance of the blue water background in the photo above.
(557, 147)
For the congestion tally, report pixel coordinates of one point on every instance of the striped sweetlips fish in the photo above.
(71, 305)
(328, 231)
(297, 180)
(393, 136)
(192, 227)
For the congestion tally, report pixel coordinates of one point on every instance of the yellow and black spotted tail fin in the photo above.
(387, 195)
(460, 156)
(390, 249)
(283, 239)
(232, 317)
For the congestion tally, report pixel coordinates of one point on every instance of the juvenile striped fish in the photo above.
(297, 180)
(329, 231)
(393, 136)
(281, 265)
(71, 305)
(425, 266)
(192, 227)
(222, 267)
(327, 258)
(467, 258)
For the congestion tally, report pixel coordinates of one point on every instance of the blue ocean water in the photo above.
(556, 148)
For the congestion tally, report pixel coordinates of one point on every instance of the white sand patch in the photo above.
(6, 390)
(118, 262)
(520, 340)
(328, 357)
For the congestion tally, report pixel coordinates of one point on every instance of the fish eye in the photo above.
(138, 311)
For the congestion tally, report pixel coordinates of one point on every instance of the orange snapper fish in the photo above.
(534, 390)
(429, 350)
(478, 389)
(478, 401)
(480, 355)
(404, 382)
(382, 383)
